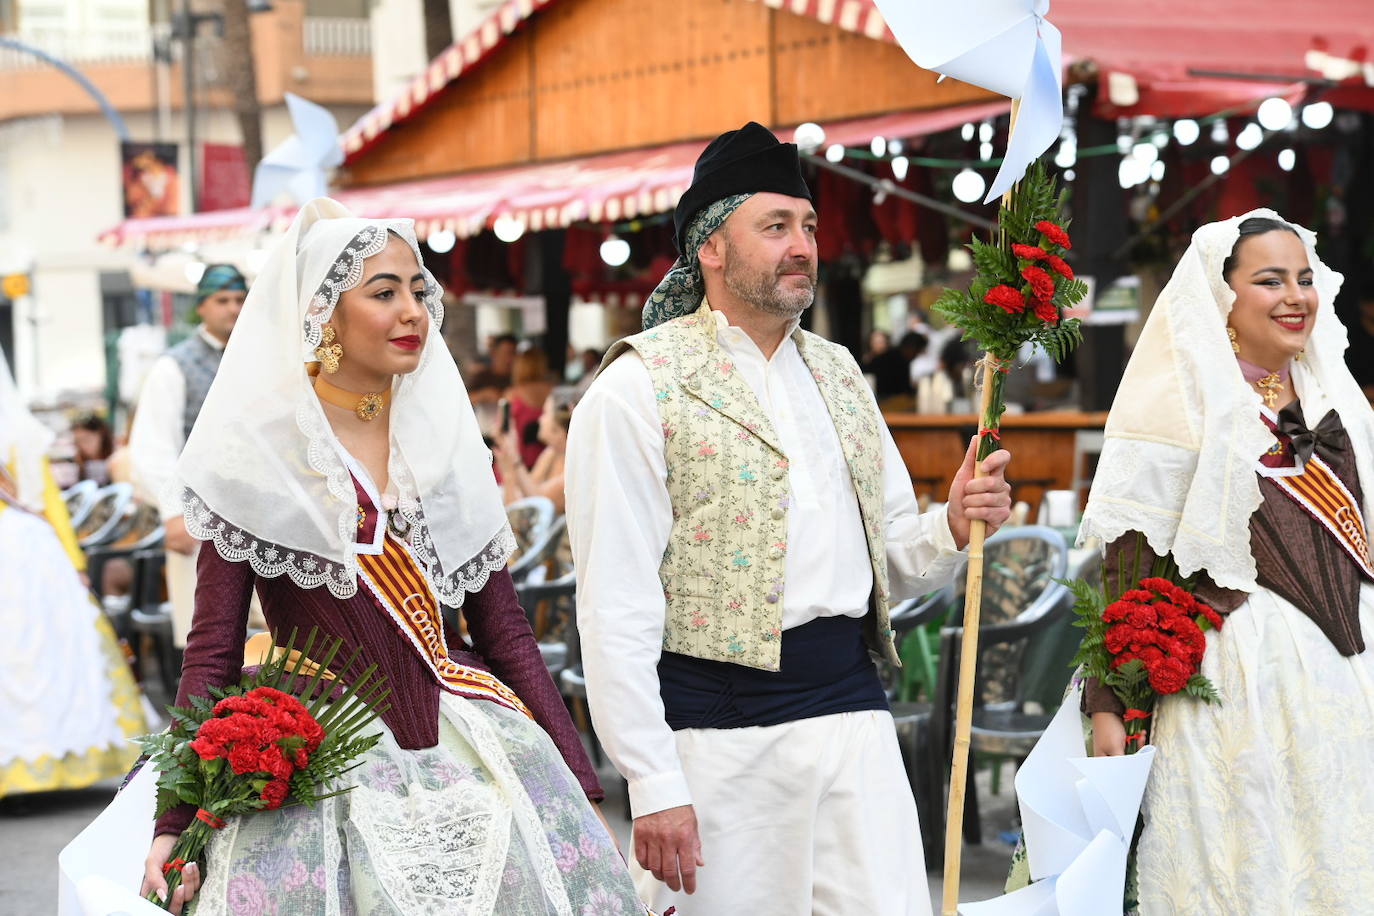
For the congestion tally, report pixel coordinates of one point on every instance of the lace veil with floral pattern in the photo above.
(263, 477)
(1184, 434)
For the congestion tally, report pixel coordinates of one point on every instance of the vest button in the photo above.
(775, 553)
(771, 597)
(778, 472)
(777, 513)
(694, 383)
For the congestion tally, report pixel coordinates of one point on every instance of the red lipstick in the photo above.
(409, 342)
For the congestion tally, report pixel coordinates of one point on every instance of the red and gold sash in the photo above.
(1321, 494)
(395, 580)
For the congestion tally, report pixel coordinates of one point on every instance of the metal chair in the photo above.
(548, 552)
(529, 519)
(108, 517)
(550, 607)
(1021, 599)
(913, 719)
(141, 531)
(150, 619)
(80, 498)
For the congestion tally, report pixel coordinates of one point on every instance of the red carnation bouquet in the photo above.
(1146, 643)
(1020, 293)
(258, 745)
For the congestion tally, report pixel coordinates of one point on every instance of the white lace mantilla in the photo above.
(347, 272)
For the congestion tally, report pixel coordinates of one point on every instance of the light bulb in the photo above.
(615, 250)
(968, 186)
(878, 146)
(1219, 132)
(1250, 136)
(441, 241)
(1067, 155)
(834, 152)
(1070, 175)
(966, 132)
(985, 131)
(1132, 172)
(900, 165)
(808, 137)
(1317, 115)
(508, 228)
(1220, 165)
(1186, 131)
(1147, 153)
(985, 151)
(894, 147)
(1157, 170)
(1287, 159)
(1274, 114)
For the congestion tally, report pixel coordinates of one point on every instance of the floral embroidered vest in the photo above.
(722, 571)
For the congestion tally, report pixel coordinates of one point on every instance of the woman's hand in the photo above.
(1109, 735)
(154, 880)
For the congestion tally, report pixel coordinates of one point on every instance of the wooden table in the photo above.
(1042, 446)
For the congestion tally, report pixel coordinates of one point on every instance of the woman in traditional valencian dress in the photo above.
(360, 500)
(1240, 444)
(68, 701)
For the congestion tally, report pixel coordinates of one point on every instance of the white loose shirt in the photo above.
(158, 436)
(620, 516)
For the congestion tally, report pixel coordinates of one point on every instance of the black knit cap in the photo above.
(744, 161)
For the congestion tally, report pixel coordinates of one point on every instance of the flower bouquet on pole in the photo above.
(279, 736)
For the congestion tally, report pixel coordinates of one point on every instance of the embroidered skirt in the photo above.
(1264, 804)
(487, 821)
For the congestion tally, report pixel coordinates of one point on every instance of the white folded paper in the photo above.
(99, 872)
(1007, 46)
(1079, 815)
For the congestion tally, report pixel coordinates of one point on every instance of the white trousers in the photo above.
(181, 591)
(809, 817)
(180, 571)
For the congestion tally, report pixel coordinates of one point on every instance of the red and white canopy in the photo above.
(605, 188)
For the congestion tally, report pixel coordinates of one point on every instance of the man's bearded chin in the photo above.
(764, 293)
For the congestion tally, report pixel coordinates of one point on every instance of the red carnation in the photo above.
(1169, 675)
(1006, 298)
(1030, 252)
(1046, 312)
(1041, 283)
(274, 793)
(1058, 265)
(1055, 234)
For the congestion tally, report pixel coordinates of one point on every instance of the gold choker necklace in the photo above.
(366, 406)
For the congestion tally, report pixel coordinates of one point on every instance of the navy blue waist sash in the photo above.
(825, 669)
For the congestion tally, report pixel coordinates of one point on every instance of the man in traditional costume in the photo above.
(741, 522)
(171, 399)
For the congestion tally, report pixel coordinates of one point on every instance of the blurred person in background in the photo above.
(94, 443)
(171, 399)
(67, 698)
(891, 371)
(546, 477)
(1360, 322)
(879, 342)
(529, 389)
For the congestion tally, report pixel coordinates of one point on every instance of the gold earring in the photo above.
(328, 352)
(1231, 333)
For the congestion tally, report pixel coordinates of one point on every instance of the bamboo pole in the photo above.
(968, 644)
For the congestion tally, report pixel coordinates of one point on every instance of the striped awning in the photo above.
(610, 187)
